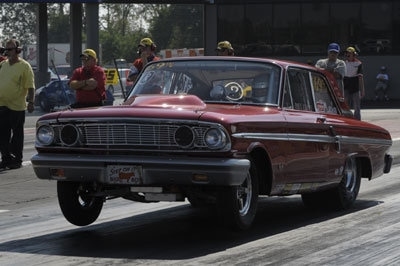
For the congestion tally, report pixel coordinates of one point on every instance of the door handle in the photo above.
(338, 146)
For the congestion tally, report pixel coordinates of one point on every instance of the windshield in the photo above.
(212, 80)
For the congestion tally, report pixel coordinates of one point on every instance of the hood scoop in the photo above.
(187, 102)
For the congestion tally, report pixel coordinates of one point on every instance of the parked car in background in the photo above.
(56, 93)
(52, 74)
(218, 131)
(64, 71)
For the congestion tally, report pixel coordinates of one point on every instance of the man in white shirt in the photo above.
(353, 81)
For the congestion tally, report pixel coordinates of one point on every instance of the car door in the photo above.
(308, 134)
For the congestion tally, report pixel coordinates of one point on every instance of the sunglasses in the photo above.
(85, 58)
(9, 49)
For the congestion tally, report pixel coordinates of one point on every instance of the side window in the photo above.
(299, 88)
(323, 99)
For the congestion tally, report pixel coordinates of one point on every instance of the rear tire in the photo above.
(76, 203)
(341, 197)
(237, 205)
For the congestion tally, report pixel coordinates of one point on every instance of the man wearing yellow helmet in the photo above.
(146, 51)
(224, 48)
(353, 81)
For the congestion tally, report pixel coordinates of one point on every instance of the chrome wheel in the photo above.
(244, 195)
(350, 175)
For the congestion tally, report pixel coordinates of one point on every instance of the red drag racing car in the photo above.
(217, 131)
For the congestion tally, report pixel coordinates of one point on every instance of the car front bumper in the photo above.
(154, 170)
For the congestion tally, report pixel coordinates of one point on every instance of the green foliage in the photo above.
(17, 20)
(58, 23)
(178, 26)
(121, 26)
(170, 26)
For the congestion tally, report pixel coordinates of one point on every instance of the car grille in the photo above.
(135, 135)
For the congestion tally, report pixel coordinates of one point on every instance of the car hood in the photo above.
(184, 107)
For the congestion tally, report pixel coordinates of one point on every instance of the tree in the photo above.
(178, 26)
(122, 26)
(170, 26)
(18, 20)
(58, 23)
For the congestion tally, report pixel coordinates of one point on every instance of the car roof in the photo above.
(280, 62)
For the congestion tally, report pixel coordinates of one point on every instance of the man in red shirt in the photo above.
(88, 81)
(146, 50)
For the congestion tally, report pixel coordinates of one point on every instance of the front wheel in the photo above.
(237, 205)
(77, 203)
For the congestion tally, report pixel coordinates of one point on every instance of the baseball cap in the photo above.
(89, 52)
(351, 50)
(146, 42)
(334, 47)
(224, 45)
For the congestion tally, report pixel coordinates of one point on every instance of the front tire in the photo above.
(77, 204)
(237, 205)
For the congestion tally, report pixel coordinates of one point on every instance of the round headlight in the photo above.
(45, 135)
(215, 138)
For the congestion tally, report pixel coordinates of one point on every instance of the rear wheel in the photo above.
(341, 197)
(344, 195)
(77, 204)
(237, 205)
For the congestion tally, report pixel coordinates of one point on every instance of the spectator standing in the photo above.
(146, 51)
(333, 64)
(353, 81)
(382, 83)
(225, 48)
(88, 81)
(16, 87)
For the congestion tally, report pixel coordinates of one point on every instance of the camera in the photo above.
(2, 50)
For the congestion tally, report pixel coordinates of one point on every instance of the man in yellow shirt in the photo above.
(16, 87)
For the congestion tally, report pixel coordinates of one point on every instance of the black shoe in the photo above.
(3, 165)
(14, 165)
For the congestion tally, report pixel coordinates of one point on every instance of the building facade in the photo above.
(302, 30)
